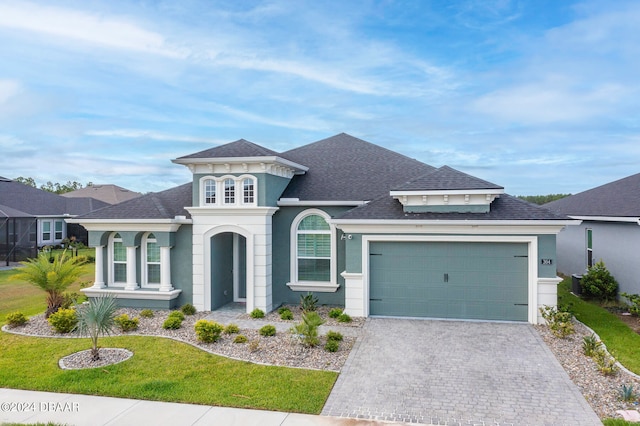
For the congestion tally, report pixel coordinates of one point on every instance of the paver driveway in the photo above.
(450, 372)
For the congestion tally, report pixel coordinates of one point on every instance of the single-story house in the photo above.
(610, 231)
(31, 218)
(356, 224)
(107, 193)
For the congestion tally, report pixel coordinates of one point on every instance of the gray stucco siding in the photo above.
(617, 244)
(181, 264)
(281, 257)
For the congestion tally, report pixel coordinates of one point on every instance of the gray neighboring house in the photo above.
(110, 194)
(610, 231)
(31, 218)
(356, 224)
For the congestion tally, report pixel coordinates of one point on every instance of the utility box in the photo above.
(576, 288)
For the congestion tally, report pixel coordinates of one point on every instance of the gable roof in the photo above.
(345, 168)
(445, 178)
(37, 202)
(620, 198)
(239, 148)
(110, 194)
(156, 205)
(506, 207)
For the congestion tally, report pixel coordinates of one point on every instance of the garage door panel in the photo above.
(449, 280)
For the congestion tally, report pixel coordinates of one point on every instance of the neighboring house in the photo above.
(32, 218)
(610, 231)
(356, 224)
(110, 194)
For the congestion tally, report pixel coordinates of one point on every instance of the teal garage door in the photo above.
(460, 280)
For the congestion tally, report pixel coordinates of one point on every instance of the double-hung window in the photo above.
(209, 191)
(589, 244)
(313, 237)
(119, 256)
(229, 191)
(46, 230)
(247, 191)
(152, 261)
(58, 224)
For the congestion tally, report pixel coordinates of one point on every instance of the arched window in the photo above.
(152, 262)
(209, 191)
(247, 191)
(229, 191)
(313, 249)
(119, 260)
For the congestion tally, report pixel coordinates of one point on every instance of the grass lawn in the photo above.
(622, 342)
(161, 369)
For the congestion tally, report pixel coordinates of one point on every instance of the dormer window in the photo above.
(228, 191)
(209, 191)
(247, 191)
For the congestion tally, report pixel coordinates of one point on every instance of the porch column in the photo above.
(131, 269)
(98, 281)
(165, 271)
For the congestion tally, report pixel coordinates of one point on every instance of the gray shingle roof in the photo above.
(156, 205)
(620, 198)
(504, 208)
(346, 168)
(445, 178)
(239, 148)
(6, 211)
(35, 201)
(110, 194)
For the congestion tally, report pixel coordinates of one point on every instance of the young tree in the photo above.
(97, 318)
(52, 275)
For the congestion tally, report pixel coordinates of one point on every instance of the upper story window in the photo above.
(209, 186)
(228, 191)
(247, 191)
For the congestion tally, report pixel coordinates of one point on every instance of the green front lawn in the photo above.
(621, 341)
(161, 369)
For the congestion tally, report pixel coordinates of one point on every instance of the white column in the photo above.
(165, 269)
(98, 281)
(131, 269)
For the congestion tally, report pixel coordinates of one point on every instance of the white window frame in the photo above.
(248, 192)
(144, 270)
(221, 191)
(207, 185)
(229, 192)
(111, 262)
(317, 286)
(55, 231)
(50, 231)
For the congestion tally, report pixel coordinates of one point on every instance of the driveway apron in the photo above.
(456, 372)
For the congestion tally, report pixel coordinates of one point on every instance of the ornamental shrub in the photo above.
(286, 315)
(176, 314)
(332, 346)
(188, 309)
(598, 283)
(334, 335)
(335, 313)
(559, 322)
(344, 317)
(126, 323)
(308, 302)
(231, 329)
(208, 331)
(64, 320)
(146, 313)
(283, 309)
(16, 319)
(257, 313)
(172, 323)
(268, 330)
(634, 300)
(240, 338)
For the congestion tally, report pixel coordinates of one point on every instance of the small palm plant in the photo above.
(97, 318)
(53, 276)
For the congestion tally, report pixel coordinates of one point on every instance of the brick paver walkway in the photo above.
(456, 373)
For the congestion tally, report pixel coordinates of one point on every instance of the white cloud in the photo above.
(150, 134)
(116, 33)
(8, 89)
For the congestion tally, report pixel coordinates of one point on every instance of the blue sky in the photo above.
(540, 96)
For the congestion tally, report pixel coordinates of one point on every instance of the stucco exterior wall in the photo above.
(616, 243)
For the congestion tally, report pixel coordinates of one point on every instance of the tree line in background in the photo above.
(55, 187)
(542, 199)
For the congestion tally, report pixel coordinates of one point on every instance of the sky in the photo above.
(539, 96)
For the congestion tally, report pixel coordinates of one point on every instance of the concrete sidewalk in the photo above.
(20, 406)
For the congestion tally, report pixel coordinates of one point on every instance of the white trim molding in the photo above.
(496, 227)
(295, 202)
(629, 219)
(135, 294)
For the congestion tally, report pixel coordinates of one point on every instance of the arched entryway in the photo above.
(228, 269)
